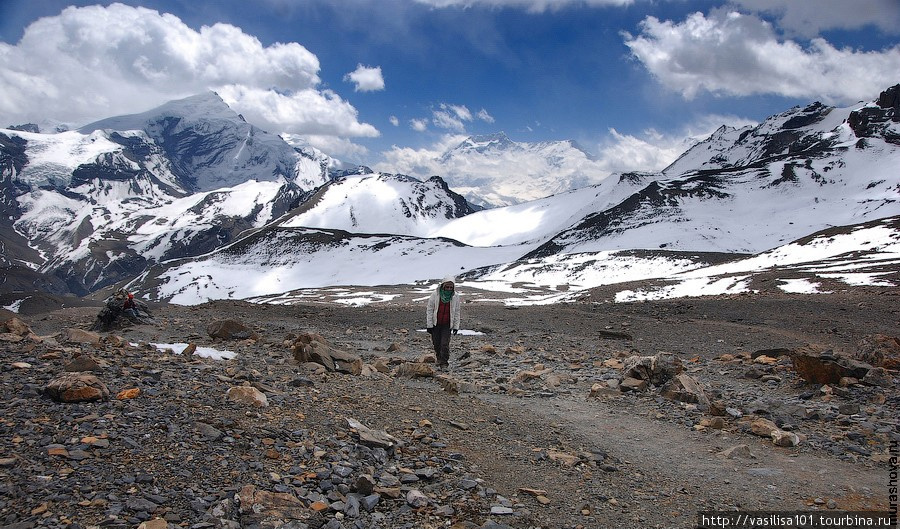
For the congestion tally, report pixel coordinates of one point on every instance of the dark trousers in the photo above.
(440, 337)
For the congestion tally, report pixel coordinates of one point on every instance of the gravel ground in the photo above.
(510, 436)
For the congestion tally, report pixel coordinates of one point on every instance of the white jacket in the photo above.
(433, 302)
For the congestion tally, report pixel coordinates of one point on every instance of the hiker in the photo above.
(129, 308)
(442, 318)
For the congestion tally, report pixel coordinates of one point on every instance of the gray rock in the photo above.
(416, 499)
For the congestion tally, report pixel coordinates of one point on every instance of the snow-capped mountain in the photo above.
(795, 174)
(752, 189)
(94, 206)
(381, 203)
(211, 147)
(99, 205)
(530, 170)
(109, 206)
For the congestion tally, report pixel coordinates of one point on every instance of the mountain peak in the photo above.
(211, 146)
(496, 137)
(482, 143)
(207, 106)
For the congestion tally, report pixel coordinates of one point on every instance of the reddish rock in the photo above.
(879, 350)
(15, 326)
(247, 395)
(126, 394)
(76, 387)
(80, 336)
(826, 367)
(264, 508)
(685, 388)
(230, 330)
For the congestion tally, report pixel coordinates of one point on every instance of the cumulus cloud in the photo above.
(94, 62)
(531, 6)
(313, 112)
(419, 162)
(394, 121)
(809, 19)
(505, 176)
(652, 150)
(418, 125)
(728, 53)
(366, 78)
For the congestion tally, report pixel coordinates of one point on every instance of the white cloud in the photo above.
(394, 121)
(418, 125)
(418, 162)
(454, 117)
(446, 120)
(320, 112)
(727, 53)
(484, 116)
(95, 62)
(451, 117)
(809, 19)
(340, 148)
(532, 6)
(366, 78)
(654, 151)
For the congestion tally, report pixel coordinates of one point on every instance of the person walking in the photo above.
(442, 318)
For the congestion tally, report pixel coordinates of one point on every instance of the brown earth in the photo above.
(622, 460)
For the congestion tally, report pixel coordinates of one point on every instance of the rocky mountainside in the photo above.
(210, 147)
(369, 202)
(90, 208)
(752, 189)
(101, 207)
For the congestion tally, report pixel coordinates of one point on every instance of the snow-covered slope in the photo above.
(381, 203)
(278, 260)
(861, 255)
(752, 190)
(529, 170)
(114, 205)
(94, 206)
(536, 221)
(211, 147)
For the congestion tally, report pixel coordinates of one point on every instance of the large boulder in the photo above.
(685, 388)
(113, 316)
(76, 387)
(80, 336)
(826, 367)
(15, 326)
(657, 369)
(880, 350)
(230, 330)
(312, 347)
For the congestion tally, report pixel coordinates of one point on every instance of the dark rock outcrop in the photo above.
(826, 367)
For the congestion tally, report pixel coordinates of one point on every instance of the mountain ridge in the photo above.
(101, 207)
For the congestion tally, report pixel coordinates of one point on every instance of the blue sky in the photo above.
(392, 83)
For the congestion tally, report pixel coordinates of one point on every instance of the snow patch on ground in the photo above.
(203, 352)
